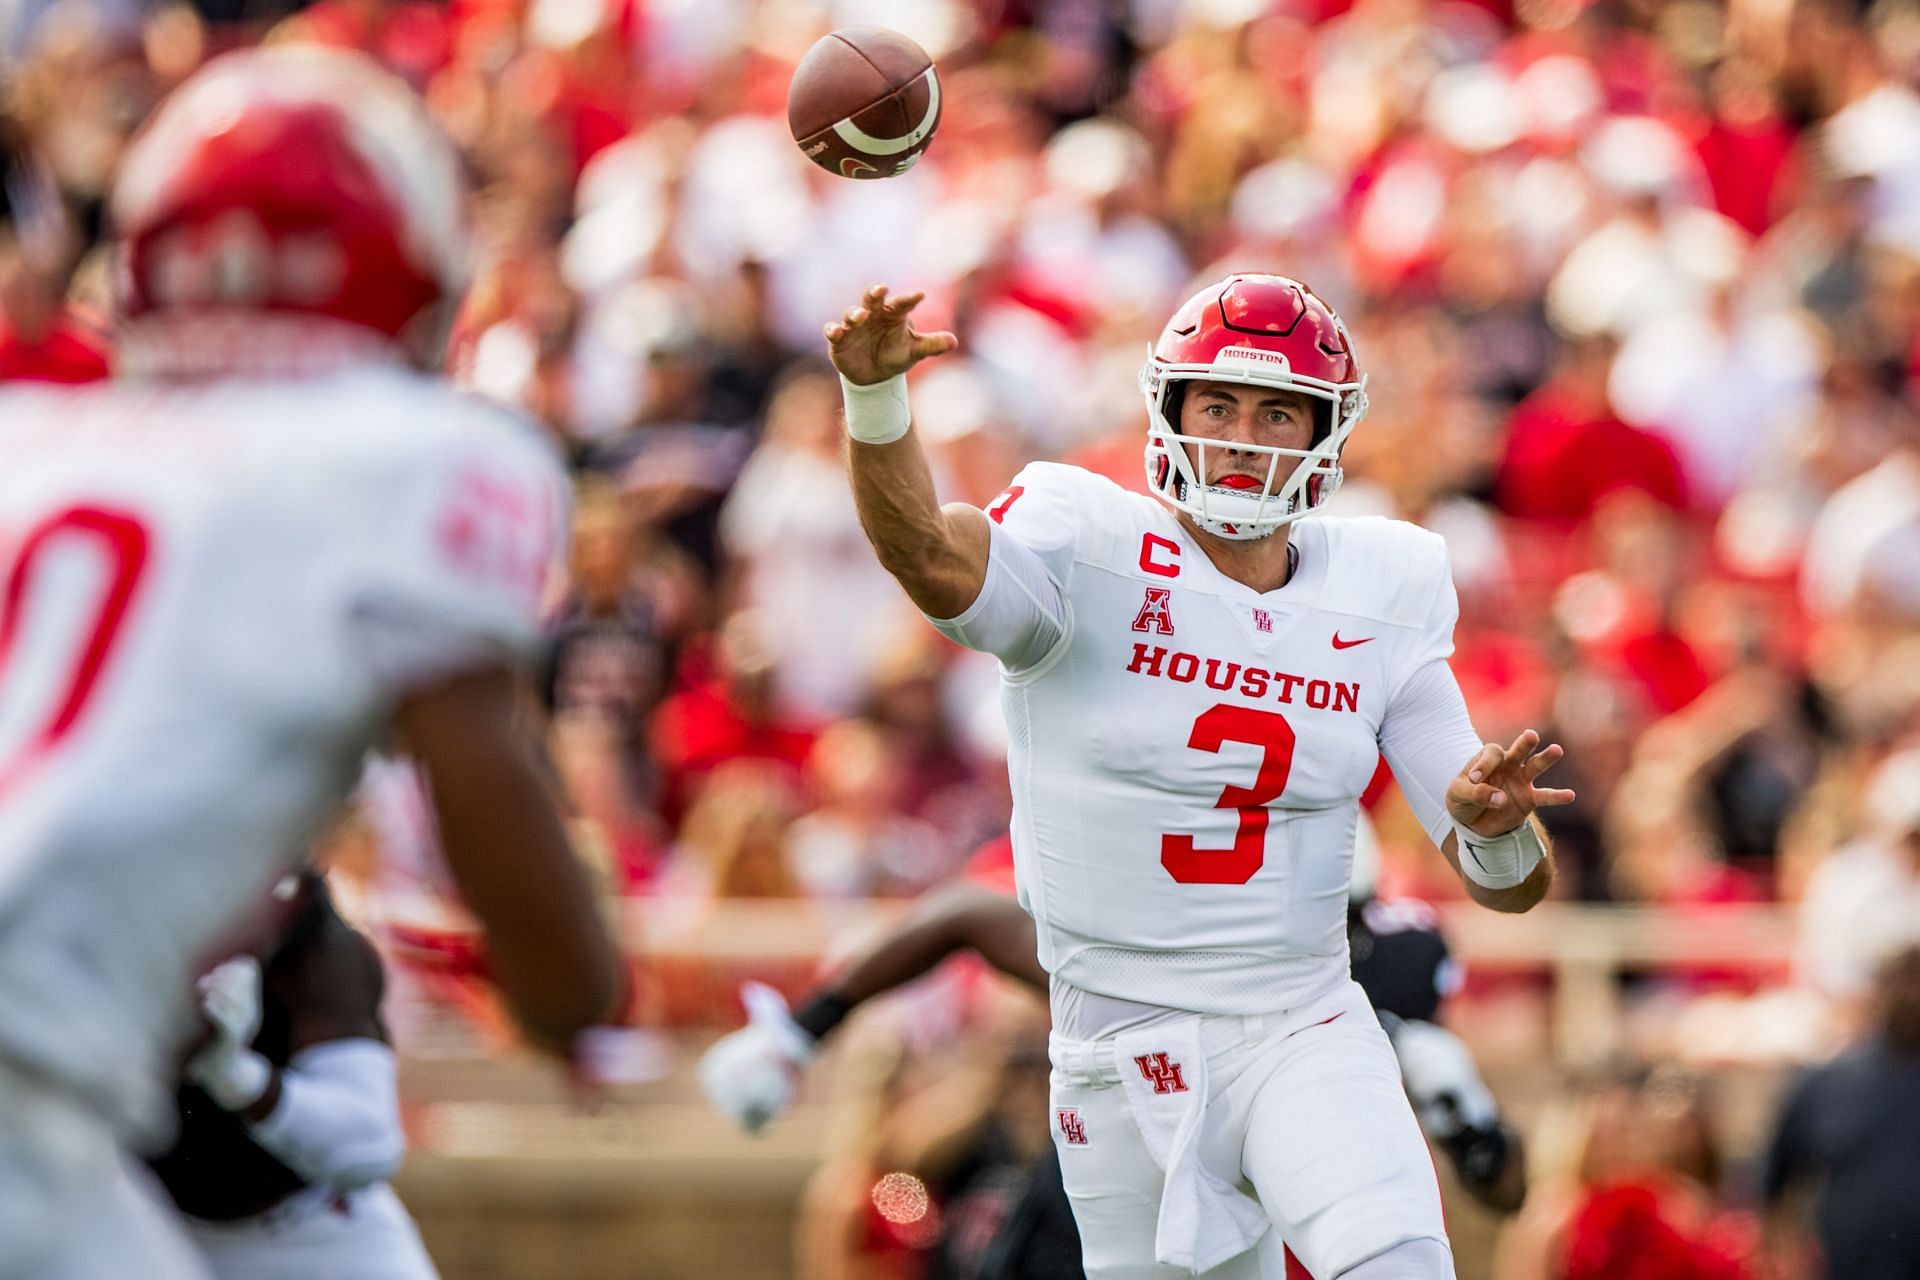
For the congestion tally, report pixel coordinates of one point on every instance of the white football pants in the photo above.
(72, 1206)
(1304, 1112)
(319, 1235)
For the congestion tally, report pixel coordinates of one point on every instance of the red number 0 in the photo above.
(1274, 736)
(124, 540)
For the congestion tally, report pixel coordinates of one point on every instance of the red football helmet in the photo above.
(1265, 331)
(293, 182)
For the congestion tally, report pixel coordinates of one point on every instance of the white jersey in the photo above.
(212, 596)
(1186, 753)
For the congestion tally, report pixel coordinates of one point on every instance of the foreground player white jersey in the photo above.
(1187, 754)
(211, 597)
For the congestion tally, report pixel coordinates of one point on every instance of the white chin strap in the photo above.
(1231, 513)
(1234, 514)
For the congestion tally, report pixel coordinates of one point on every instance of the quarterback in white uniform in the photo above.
(223, 579)
(1197, 690)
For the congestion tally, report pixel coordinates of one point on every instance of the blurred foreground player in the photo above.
(225, 578)
(1198, 685)
(290, 1112)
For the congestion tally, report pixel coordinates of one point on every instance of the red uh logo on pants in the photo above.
(1072, 1127)
(1164, 1075)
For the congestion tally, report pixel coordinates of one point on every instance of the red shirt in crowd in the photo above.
(1630, 1231)
(1563, 457)
(67, 352)
(699, 729)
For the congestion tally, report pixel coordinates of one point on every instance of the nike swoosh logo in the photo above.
(1338, 643)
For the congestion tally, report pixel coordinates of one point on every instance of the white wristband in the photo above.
(876, 414)
(1500, 862)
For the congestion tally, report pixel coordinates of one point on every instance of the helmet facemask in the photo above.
(1294, 482)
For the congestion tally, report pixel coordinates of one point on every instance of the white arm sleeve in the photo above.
(337, 1123)
(1020, 613)
(1023, 611)
(1428, 738)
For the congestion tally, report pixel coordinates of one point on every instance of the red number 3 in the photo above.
(1274, 736)
(123, 543)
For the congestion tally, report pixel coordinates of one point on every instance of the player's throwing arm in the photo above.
(939, 554)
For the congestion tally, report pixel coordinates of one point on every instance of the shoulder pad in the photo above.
(1384, 570)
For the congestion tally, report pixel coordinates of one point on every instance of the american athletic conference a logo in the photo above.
(1163, 1075)
(1156, 612)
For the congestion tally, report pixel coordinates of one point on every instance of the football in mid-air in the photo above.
(864, 102)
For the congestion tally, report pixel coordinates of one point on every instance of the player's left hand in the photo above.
(750, 1076)
(1494, 794)
(232, 1074)
(231, 1002)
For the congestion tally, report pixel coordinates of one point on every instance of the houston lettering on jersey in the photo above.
(1252, 682)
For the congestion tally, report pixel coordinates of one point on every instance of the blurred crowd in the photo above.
(1636, 284)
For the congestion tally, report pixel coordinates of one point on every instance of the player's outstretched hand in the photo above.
(226, 1067)
(1494, 794)
(876, 340)
(230, 1000)
(750, 1075)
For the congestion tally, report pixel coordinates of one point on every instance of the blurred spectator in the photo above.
(1722, 384)
(1863, 902)
(1627, 1188)
(1746, 146)
(1567, 450)
(1626, 612)
(733, 843)
(729, 716)
(942, 765)
(1863, 555)
(591, 757)
(1849, 1135)
(858, 841)
(930, 1163)
(1718, 777)
(41, 337)
(669, 453)
(39, 344)
(1657, 252)
(611, 649)
(803, 564)
(1597, 716)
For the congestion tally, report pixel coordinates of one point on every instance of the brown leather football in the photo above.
(864, 102)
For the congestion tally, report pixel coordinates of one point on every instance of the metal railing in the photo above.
(1584, 950)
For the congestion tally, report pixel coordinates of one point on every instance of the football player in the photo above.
(1197, 685)
(290, 1111)
(273, 543)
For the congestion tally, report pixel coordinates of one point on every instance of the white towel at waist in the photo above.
(1204, 1219)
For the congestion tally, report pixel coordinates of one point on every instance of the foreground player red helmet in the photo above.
(1266, 331)
(288, 185)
